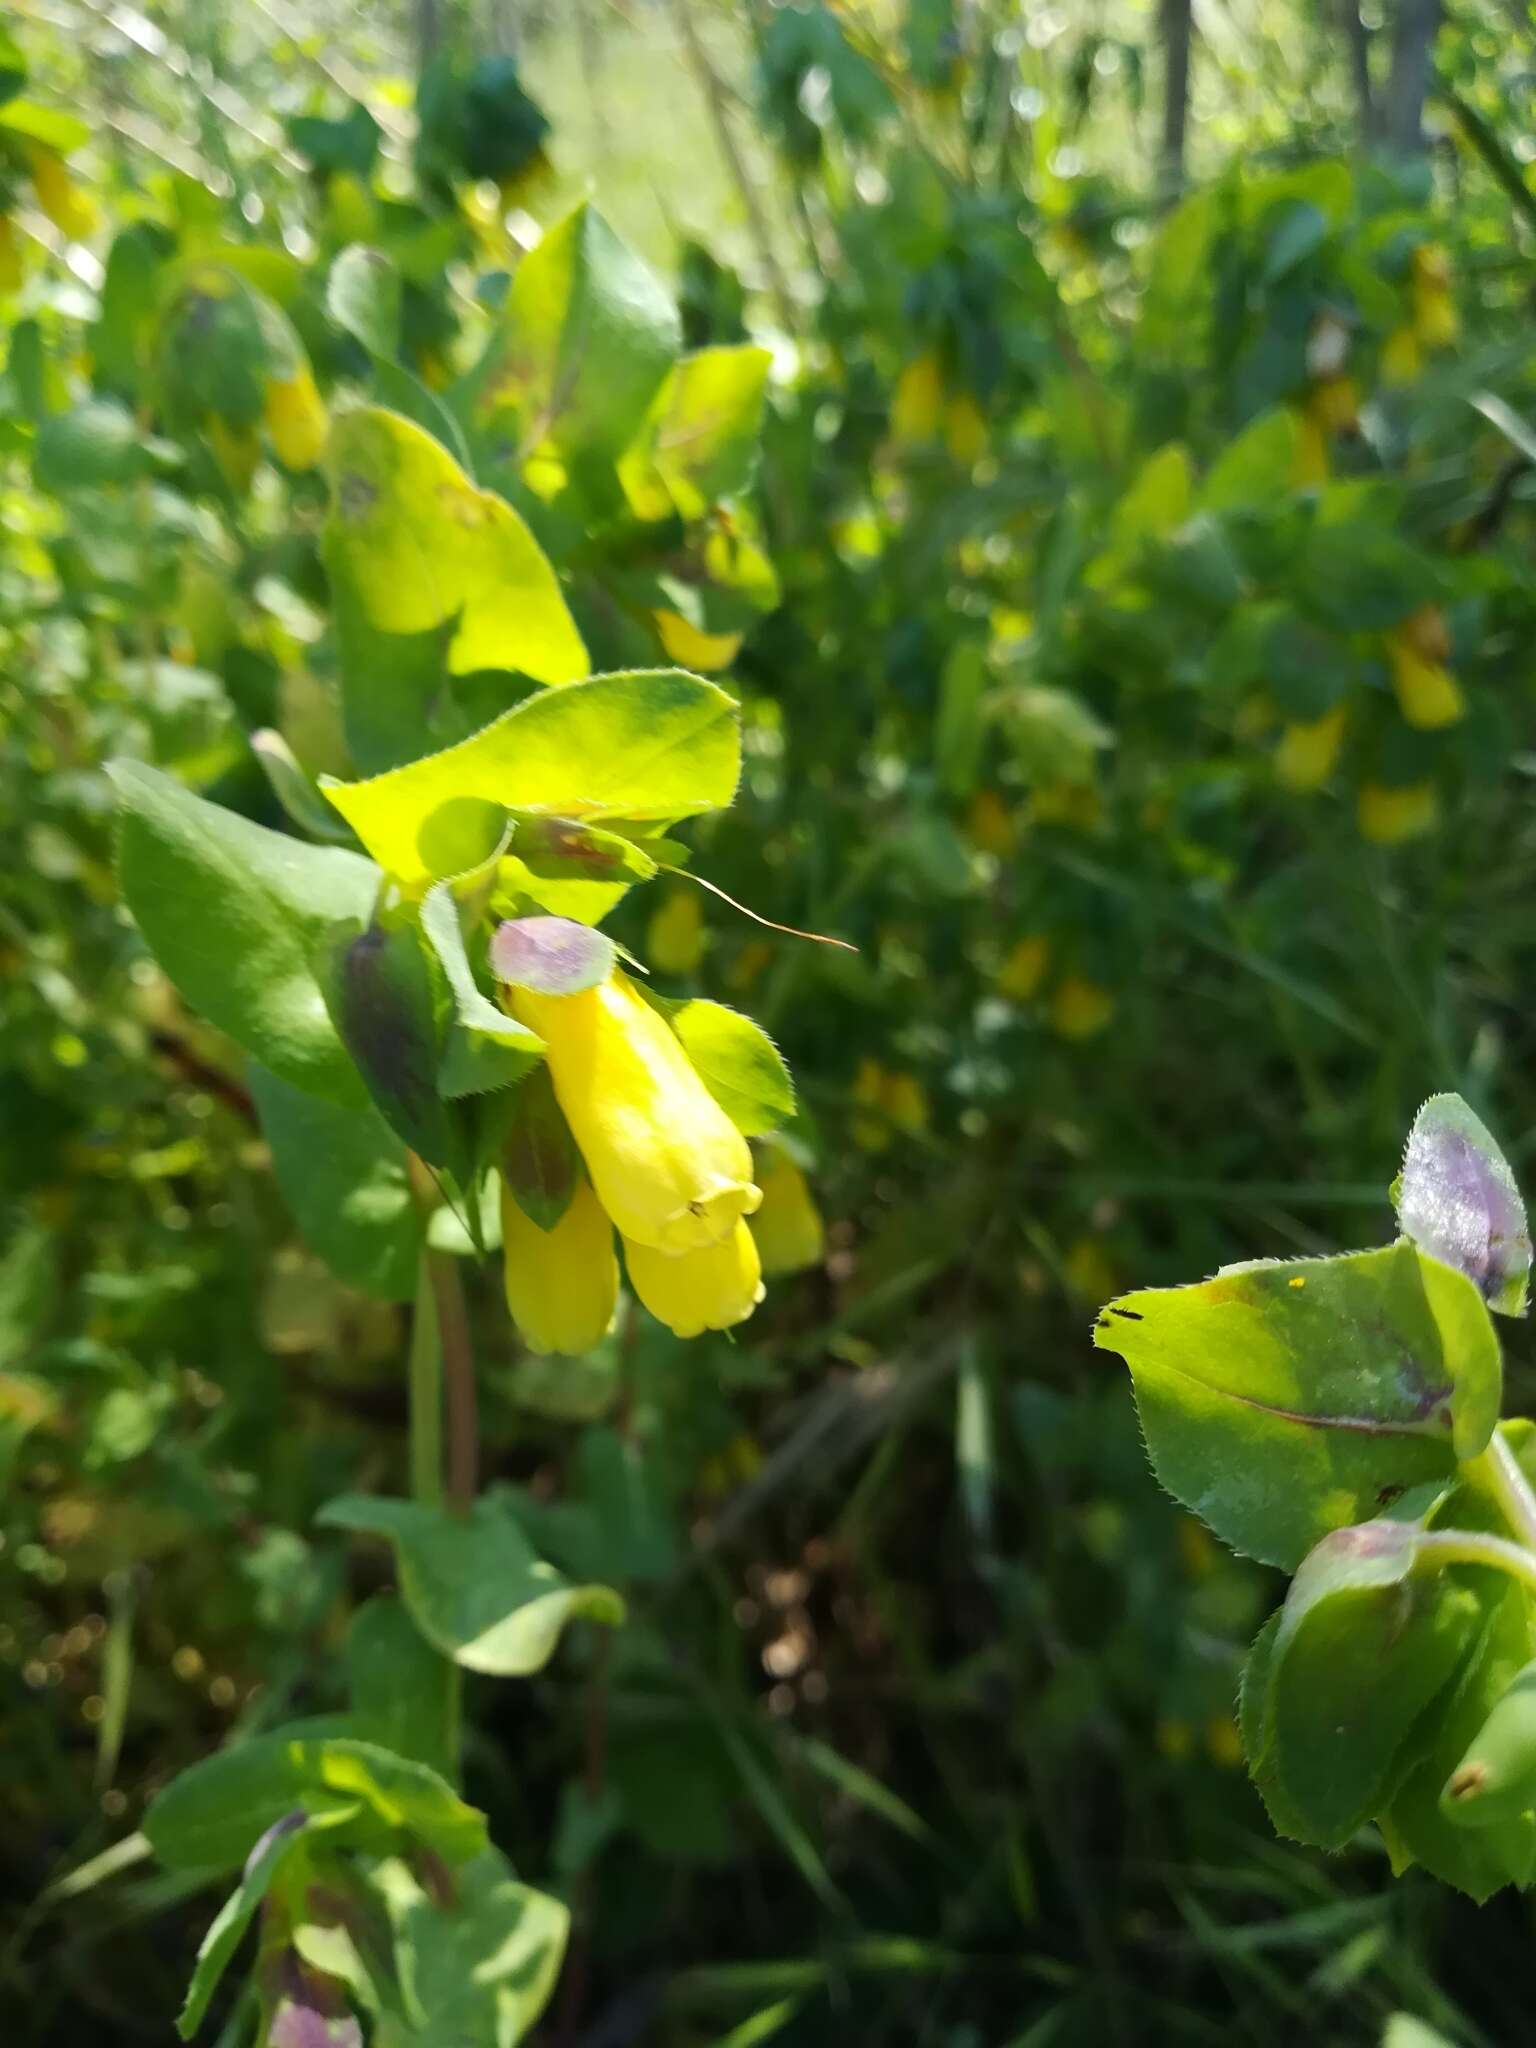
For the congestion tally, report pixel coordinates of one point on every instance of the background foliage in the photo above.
(1140, 541)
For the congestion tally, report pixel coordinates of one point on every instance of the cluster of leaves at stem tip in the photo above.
(1339, 1417)
(418, 979)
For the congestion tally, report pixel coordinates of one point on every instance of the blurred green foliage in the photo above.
(1131, 612)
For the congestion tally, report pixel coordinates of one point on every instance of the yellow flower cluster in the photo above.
(1079, 1007)
(923, 408)
(663, 1164)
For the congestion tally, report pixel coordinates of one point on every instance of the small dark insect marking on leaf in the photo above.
(1385, 1495)
(355, 495)
(1131, 1315)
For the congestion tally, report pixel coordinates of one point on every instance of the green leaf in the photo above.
(738, 1063)
(283, 1841)
(363, 296)
(586, 335)
(343, 1174)
(415, 545)
(478, 1972)
(1256, 466)
(1363, 1647)
(1457, 1199)
(1285, 1399)
(211, 1817)
(93, 444)
(1479, 1860)
(698, 442)
(51, 126)
(233, 913)
(485, 1048)
(642, 744)
(403, 1693)
(1361, 579)
(473, 1584)
(960, 728)
(539, 1158)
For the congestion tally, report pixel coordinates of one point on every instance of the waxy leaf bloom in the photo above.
(668, 1165)
(562, 1284)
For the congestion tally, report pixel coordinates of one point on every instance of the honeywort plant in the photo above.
(424, 990)
(1339, 1417)
(427, 1003)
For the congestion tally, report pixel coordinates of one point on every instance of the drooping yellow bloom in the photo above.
(562, 1284)
(1309, 750)
(918, 402)
(1387, 815)
(1334, 404)
(1434, 310)
(70, 209)
(989, 823)
(296, 419)
(1076, 805)
(1310, 465)
(235, 449)
(668, 1164)
(788, 1228)
(1427, 693)
(674, 938)
(1401, 357)
(905, 1103)
(712, 1289)
(1080, 1008)
(691, 646)
(10, 255)
(965, 430)
(1021, 973)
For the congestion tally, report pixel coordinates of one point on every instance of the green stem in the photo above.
(1465, 1546)
(1496, 1473)
(426, 1396)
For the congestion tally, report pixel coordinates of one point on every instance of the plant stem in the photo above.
(426, 1396)
(1466, 1546)
(455, 1350)
(1496, 1472)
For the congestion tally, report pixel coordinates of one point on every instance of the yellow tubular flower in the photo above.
(965, 430)
(918, 401)
(704, 1290)
(1401, 357)
(989, 823)
(1335, 405)
(691, 647)
(235, 450)
(1308, 752)
(296, 419)
(905, 1103)
(788, 1228)
(1020, 974)
(1310, 467)
(1427, 693)
(1387, 816)
(60, 197)
(668, 1164)
(1434, 310)
(562, 1284)
(1080, 1008)
(674, 938)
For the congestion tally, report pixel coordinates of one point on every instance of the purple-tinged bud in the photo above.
(1457, 1199)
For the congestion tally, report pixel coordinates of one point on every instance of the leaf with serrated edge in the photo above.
(642, 743)
(1284, 1399)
